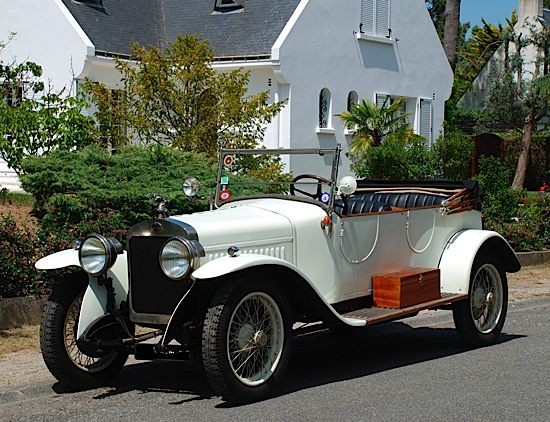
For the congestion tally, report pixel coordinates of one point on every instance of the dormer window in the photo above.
(226, 6)
(92, 2)
(96, 4)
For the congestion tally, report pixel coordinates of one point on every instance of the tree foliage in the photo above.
(372, 122)
(519, 95)
(437, 13)
(405, 156)
(35, 122)
(174, 97)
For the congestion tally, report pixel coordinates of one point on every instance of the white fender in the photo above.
(228, 265)
(94, 303)
(61, 259)
(458, 257)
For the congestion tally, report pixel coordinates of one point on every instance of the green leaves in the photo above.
(405, 156)
(85, 191)
(372, 123)
(174, 97)
(32, 124)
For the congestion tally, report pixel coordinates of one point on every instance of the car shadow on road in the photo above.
(336, 358)
(317, 359)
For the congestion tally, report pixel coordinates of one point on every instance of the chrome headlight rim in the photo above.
(111, 248)
(191, 187)
(194, 252)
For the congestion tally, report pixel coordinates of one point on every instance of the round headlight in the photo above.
(97, 254)
(191, 187)
(178, 257)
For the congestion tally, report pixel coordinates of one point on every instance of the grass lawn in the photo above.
(17, 339)
(15, 198)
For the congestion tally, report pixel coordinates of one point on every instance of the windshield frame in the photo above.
(335, 152)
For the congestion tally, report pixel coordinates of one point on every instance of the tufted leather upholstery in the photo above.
(357, 205)
(404, 199)
(363, 203)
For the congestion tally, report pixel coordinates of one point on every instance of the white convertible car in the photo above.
(228, 286)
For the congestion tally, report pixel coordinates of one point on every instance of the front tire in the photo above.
(73, 368)
(480, 318)
(246, 341)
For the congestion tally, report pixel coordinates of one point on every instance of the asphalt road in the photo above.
(414, 370)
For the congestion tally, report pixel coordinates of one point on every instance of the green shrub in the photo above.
(500, 201)
(451, 156)
(399, 157)
(86, 191)
(523, 220)
(17, 253)
(20, 248)
(531, 230)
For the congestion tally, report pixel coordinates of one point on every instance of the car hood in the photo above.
(238, 224)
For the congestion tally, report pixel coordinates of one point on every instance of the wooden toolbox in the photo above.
(405, 288)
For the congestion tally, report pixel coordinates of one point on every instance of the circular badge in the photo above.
(225, 195)
(325, 198)
(228, 160)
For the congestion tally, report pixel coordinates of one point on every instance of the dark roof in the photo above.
(113, 25)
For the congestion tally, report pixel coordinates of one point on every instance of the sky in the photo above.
(492, 11)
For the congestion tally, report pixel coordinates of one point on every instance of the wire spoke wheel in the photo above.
(81, 360)
(487, 298)
(75, 367)
(255, 338)
(246, 340)
(480, 318)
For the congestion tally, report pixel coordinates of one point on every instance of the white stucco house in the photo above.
(319, 55)
(530, 12)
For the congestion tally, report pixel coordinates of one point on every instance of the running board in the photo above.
(374, 315)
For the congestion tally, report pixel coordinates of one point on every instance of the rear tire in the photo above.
(73, 368)
(480, 318)
(246, 341)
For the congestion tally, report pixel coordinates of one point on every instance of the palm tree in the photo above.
(372, 123)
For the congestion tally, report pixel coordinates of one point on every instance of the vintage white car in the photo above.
(228, 286)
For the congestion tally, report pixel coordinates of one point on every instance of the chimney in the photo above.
(529, 9)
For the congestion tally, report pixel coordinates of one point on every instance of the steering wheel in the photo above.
(320, 182)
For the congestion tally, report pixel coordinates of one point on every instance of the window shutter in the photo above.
(425, 129)
(402, 109)
(382, 17)
(367, 16)
(380, 98)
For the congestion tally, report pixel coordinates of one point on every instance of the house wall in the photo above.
(48, 36)
(321, 50)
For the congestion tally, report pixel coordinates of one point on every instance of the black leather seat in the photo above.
(357, 205)
(404, 199)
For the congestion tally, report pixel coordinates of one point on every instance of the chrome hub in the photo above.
(260, 339)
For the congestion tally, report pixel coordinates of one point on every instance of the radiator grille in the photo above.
(151, 291)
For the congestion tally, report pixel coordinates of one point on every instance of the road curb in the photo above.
(533, 258)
